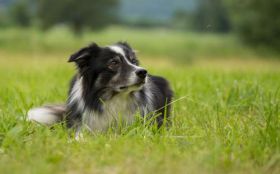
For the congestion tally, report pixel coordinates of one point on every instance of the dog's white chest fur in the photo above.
(118, 110)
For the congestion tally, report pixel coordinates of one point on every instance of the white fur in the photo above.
(117, 49)
(76, 94)
(120, 51)
(43, 116)
(120, 109)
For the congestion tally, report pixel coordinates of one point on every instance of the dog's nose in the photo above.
(141, 73)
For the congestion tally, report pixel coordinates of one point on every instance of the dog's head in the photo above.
(115, 67)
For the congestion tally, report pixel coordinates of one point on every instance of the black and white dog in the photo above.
(109, 86)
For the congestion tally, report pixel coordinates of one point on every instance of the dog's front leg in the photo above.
(78, 134)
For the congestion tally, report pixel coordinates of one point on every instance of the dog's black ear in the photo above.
(124, 44)
(83, 55)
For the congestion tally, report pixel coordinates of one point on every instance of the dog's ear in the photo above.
(127, 46)
(82, 56)
(124, 44)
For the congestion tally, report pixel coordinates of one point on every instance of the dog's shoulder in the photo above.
(162, 85)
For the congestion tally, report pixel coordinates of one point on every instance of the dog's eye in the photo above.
(133, 61)
(113, 63)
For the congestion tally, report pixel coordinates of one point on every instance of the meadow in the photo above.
(226, 117)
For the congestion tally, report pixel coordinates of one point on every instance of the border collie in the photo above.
(109, 86)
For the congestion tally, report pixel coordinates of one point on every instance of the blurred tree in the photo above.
(257, 21)
(4, 22)
(77, 14)
(211, 15)
(20, 13)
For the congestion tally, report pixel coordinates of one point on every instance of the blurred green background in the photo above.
(181, 30)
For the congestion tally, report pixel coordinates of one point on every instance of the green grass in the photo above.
(228, 122)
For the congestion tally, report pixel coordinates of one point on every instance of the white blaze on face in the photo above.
(118, 50)
(133, 77)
